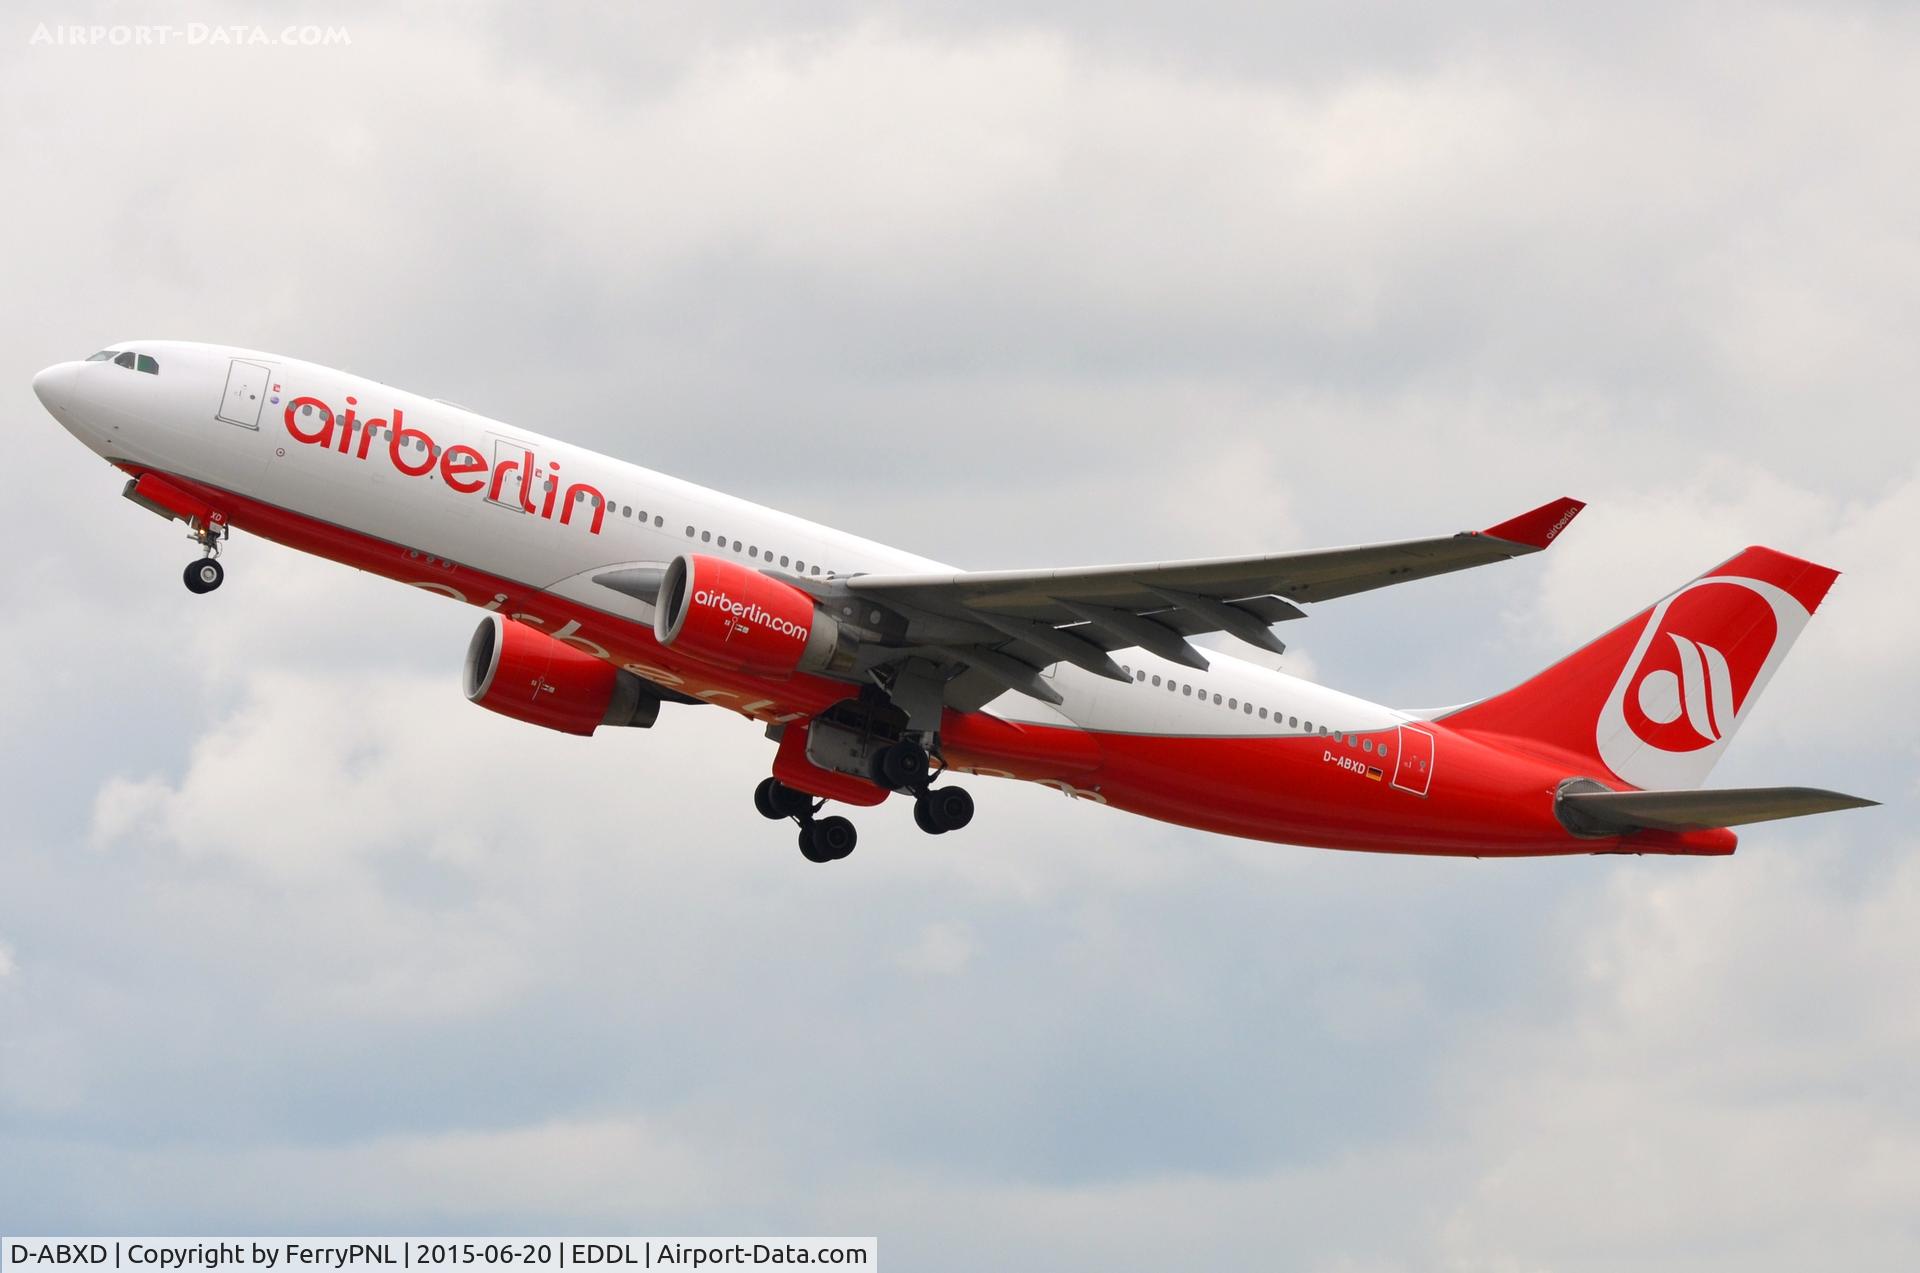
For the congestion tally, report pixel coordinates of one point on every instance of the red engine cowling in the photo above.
(727, 614)
(522, 672)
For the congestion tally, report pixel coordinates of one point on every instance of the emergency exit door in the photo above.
(1413, 766)
(246, 393)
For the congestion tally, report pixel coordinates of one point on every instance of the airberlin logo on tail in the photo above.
(1701, 693)
(749, 612)
(1699, 663)
(514, 481)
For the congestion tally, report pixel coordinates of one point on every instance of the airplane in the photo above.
(610, 591)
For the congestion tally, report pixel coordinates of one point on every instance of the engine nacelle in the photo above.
(522, 672)
(725, 613)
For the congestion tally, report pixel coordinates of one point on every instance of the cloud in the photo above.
(306, 941)
(942, 950)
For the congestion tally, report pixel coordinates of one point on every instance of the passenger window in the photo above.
(659, 520)
(1383, 751)
(689, 532)
(148, 365)
(1187, 690)
(1141, 675)
(706, 536)
(783, 559)
(1156, 681)
(754, 552)
(1216, 700)
(1309, 727)
(1249, 709)
(1293, 722)
(1366, 744)
(1263, 713)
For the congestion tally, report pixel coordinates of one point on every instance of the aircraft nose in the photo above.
(54, 387)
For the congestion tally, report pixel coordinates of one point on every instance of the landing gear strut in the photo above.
(821, 839)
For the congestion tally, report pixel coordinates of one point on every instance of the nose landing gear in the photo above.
(206, 574)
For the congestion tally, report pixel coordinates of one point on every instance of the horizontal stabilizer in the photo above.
(1613, 812)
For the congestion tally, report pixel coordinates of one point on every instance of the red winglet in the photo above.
(1538, 528)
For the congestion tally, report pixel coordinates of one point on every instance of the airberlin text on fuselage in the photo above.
(462, 468)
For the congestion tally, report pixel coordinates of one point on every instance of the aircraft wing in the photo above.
(1009, 623)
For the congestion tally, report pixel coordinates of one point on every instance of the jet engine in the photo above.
(738, 618)
(521, 672)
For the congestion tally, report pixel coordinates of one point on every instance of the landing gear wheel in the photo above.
(775, 800)
(810, 848)
(763, 800)
(827, 840)
(942, 809)
(901, 767)
(204, 575)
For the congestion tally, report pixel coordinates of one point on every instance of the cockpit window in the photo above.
(103, 355)
(148, 365)
(127, 358)
(124, 360)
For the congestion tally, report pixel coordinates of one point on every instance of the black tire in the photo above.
(763, 800)
(834, 837)
(901, 766)
(923, 818)
(788, 802)
(810, 846)
(204, 575)
(948, 808)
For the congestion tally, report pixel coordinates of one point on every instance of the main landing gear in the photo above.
(936, 810)
(206, 574)
(821, 839)
(903, 766)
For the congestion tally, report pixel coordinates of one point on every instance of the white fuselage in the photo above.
(193, 418)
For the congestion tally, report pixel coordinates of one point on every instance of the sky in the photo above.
(293, 939)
